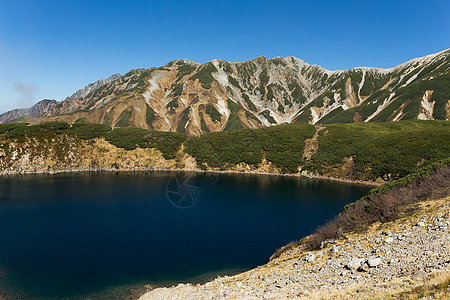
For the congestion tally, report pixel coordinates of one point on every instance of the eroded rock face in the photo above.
(65, 153)
(185, 96)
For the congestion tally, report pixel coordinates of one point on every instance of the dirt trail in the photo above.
(312, 144)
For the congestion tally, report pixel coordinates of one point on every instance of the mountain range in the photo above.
(185, 96)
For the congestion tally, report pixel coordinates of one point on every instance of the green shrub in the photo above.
(88, 131)
(213, 113)
(387, 150)
(282, 145)
(130, 138)
(386, 203)
(17, 130)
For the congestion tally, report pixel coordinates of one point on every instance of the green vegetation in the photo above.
(250, 104)
(234, 82)
(389, 202)
(304, 116)
(233, 121)
(263, 81)
(130, 138)
(202, 122)
(184, 118)
(88, 131)
(177, 90)
(421, 173)
(282, 145)
(387, 150)
(204, 75)
(249, 115)
(368, 151)
(373, 82)
(125, 119)
(266, 114)
(213, 113)
(184, 69)
(149, 116)
(409, 98)
(20, 130)
(172, 105)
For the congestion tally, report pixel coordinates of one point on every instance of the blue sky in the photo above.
(49, 49)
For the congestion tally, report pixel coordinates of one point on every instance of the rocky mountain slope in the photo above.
(36, 110)
(185, 96)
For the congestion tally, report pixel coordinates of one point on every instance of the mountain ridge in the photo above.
(186, 96)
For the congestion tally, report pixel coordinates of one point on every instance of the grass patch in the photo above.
(184, 118)
(150, 116)
(125, 119)
(266, 114)
(233, 121)
(213, 113)
(204, 75)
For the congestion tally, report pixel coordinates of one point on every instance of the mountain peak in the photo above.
(220, 95)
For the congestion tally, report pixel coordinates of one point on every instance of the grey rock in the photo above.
(354, 263)
(389, 240)
(374, 262)
(310, 257)
(270, 288)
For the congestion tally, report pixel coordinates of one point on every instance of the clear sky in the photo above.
(49, 49)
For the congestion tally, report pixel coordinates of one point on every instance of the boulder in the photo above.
(364, 267)
(354, 263)
(310, 257)
(374, 262)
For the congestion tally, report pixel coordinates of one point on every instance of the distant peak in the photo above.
(182, 61)
(260, 58)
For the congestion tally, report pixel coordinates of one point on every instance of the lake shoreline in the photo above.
(173, 170)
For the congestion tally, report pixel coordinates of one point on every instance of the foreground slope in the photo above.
(404, 256)
(185, 96)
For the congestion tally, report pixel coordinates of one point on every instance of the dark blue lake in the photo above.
(104, 236)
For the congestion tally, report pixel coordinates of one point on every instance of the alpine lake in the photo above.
(112, 235)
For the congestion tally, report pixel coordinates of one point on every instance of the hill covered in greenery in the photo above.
(359, 151)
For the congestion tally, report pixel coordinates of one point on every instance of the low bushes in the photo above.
(387, 150)
(385, 203)
(282, 145)
(88, 131)
(19, 130)
(130, 138)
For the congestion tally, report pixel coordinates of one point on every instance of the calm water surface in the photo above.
(103, 236)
